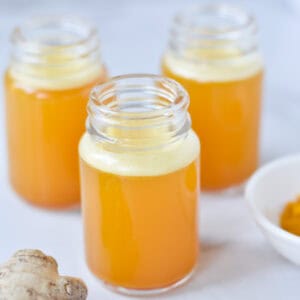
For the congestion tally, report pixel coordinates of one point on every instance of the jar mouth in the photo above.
(215, 21)
(138, 110)
(126, 96)
(53, 32)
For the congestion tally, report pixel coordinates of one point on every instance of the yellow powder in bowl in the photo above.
(290, 217)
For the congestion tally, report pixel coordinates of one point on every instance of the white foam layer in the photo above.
(214, 65)
(54, 74)
(148, 163)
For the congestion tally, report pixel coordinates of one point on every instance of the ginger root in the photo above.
(31, 275)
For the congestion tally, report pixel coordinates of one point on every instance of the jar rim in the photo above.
(80, 31)
(188, 18)
(180, 96)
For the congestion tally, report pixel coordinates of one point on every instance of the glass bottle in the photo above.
(213, 52)
(54, 63)
(140, 184)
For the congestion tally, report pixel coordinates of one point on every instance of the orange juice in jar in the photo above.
(140, 185)
(213, 53)
(55, 62)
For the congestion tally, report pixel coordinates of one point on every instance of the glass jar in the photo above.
(54, 63)
(140, 184)
(213, 52)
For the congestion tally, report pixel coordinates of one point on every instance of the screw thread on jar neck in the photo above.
(213, 43)
(213, 28)
(138, 112)
(55, 52)
(217, 35)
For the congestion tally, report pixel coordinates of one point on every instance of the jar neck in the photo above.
(55, 52)
(138, 113)
(213, 34)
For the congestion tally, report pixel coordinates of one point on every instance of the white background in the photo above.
(237, 262)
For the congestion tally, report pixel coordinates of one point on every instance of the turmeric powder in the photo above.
(290, 217)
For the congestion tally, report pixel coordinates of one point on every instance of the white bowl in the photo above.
(267, 192)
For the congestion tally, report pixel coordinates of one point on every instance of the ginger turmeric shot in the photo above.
(213, 52)
(140, 185)
(55, 61)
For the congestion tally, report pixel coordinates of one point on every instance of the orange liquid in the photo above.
(140, 232)
(43, 131)
(226, 117)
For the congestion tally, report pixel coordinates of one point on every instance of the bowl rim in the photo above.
(260, 218)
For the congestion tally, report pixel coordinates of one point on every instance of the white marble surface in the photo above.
(237, 262)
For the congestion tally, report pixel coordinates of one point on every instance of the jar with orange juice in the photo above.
(213, 52)
(55, 61)
(140, 184)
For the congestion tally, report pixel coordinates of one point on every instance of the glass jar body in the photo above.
(226, 115)
(140, 220)
(43, 130)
